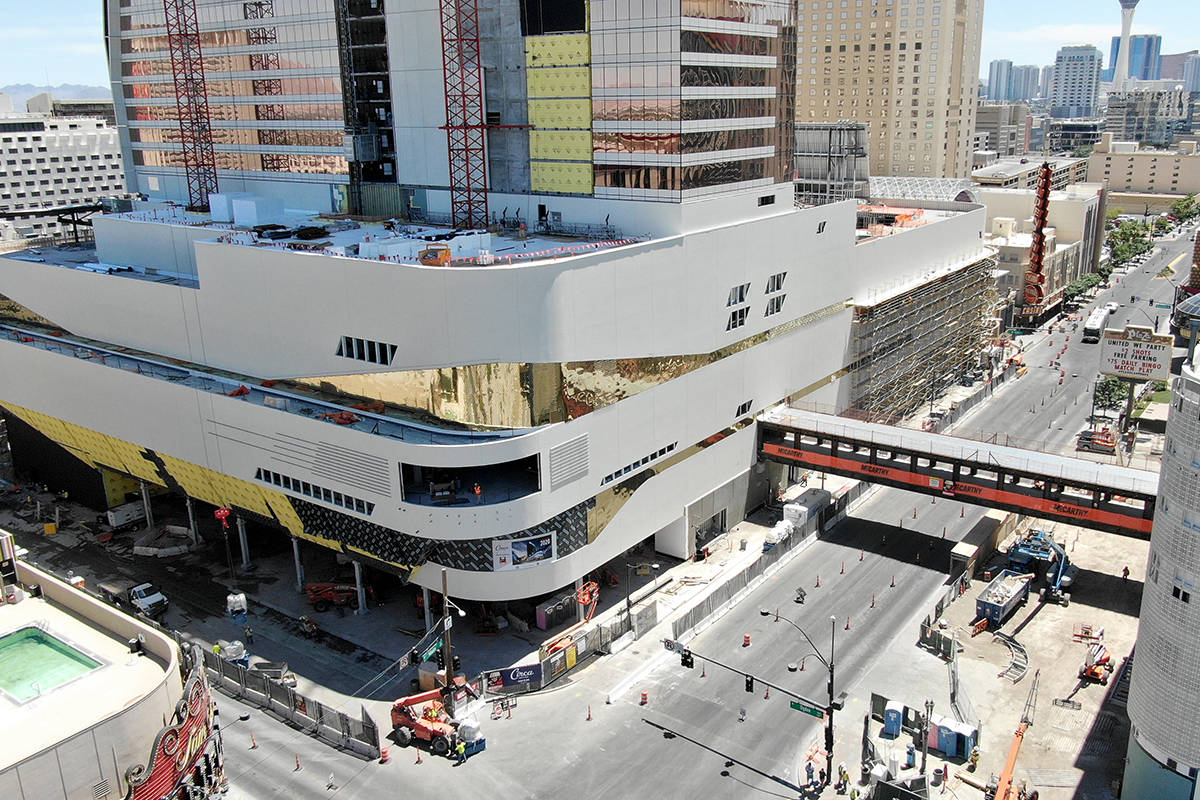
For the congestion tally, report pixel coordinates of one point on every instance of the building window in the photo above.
(738, 294)
(366, 350)
(775, 282)
(775, 304)
(737, 318)
(744, 409)
(821, 227)
(767, 200)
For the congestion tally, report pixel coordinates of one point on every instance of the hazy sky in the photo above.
(61, 41)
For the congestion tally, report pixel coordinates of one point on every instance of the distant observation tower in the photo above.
(1121, 73)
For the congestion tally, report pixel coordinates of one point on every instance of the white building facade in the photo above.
(1076, 87)
(52, 162)
(1164, 696)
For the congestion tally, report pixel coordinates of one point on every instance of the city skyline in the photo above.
(43, 50)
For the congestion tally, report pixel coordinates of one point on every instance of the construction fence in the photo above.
(933, 639)
(728, 593)
(359, 735)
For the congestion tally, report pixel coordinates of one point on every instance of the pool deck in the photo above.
(121, 680)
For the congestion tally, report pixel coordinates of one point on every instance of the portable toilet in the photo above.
(936, 723)
(893, 718)
(967, 736)
(948, 740)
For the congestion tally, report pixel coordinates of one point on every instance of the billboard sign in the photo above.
(525, 676)
(528, 551)
(1136, 353)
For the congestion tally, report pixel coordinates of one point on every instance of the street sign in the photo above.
(1162, 305)
(433, 648)
(671, 645)
(403, 662)
(447, 622)
(1135, 353)
(807, 709)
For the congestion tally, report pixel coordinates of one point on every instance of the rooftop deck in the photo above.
(390, 240)
(305, 402)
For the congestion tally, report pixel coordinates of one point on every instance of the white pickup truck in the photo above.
(140, 598)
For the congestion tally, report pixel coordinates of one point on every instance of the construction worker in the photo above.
(973, 759)
(216, 649)
(248, 634)
(478, 493)
(461, 750)
(1124, 574)
(808, 770)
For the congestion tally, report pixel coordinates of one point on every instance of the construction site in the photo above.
(910, 346)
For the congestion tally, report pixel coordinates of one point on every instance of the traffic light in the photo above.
(686, 660)
(456, 664)
(414, 658)
(749, 683)
(441, 658)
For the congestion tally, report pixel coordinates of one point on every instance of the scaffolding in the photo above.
(909, 348)
(830, 162)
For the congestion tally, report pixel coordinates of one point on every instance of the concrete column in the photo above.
(358, 587)
(192, 519)
(299, 566)
(428, 616)
(578, 606)
(146, 506)
(241, 526)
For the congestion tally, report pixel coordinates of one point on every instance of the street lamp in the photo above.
(629, 588)
(446, 606)
(829, 666)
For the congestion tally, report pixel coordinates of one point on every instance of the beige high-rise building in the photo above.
(908, 68)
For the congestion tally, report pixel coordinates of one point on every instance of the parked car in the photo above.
(1111, 307)
(140, 598)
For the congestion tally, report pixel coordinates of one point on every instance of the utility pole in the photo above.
(925, 734)
(829, 710)
(446, 641)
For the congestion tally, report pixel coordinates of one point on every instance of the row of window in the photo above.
(366, 350)
(694, 176)
(662, 451)
(316, 492)
(672, 143)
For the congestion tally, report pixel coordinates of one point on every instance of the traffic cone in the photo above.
(589, 716)
(872, 601)
(943, 531)
(703, 671)
(767, 694)
(253, 744)
(914, 513)
(861, 554)
(818, 580)
(843, 567)
(383, 755)
(962, 512)
(745, 642)
(802, 663)
(646, 695)
(847, 623)
(297, 769)
(419, 759)
(893, 581)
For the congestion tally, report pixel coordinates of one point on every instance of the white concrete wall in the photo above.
(418, 99)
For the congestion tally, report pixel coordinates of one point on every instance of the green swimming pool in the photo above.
(33, 662)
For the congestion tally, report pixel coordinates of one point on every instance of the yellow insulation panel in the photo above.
(561, 50)
(116, 486)
(560, 176)
(92, 447)
(559, 82)
(560, 114)
(561, 145)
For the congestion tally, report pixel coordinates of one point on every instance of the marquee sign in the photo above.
(178, 747)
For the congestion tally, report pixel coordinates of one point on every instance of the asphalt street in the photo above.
(1036, 411)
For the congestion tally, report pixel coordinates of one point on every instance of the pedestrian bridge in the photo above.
(1072, 490)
